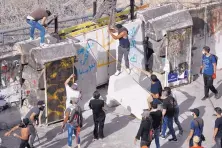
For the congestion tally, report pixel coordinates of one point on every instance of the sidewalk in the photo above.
(121, 128)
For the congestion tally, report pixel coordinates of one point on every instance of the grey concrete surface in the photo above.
(121, 128)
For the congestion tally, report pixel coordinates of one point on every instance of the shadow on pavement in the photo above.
(185, 125)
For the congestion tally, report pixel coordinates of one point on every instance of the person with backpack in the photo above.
(168, 113)
(99, 116)
(73, 121)
(217, 136)
(196, 128)
(208, 69)
(145, 132)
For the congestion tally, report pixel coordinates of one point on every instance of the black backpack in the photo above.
(211, 56)
(75, 118)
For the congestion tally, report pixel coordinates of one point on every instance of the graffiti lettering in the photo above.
(133, 58)
(85, 52)
(87, 70)
(131, 34)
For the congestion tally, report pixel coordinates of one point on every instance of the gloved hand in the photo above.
(214, 76)
(201, 70)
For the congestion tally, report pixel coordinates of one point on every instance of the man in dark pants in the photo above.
(124, 46)
(99, 115)
(32, 20)
(144, 130)
(208, 69)
(168, 114)
(218, 128)
(24, 133)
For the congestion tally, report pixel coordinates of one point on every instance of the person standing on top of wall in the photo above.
(124, 46)
(32, 20)
(208, 68)
(71, 91)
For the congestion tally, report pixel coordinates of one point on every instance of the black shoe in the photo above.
(172, 139)
(205, 97)
(181, 132)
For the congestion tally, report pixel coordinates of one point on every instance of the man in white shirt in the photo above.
(71, 91)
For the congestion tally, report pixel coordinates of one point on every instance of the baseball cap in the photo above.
(25, 121)
(74, 86)
(195, 111)
(75, 100)
(119, 26)
(218, 110)
(196, 139)
(41, 102)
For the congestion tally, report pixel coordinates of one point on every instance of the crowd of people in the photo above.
(163, 107)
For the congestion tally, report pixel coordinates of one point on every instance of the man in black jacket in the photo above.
(144, 130)
(99, 115)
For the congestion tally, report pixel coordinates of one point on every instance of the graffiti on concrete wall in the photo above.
(178, 53)
(10, 76)
(214, 22)
(56, 74)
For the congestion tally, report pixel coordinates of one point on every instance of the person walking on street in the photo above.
(157, 121)
(208, 68)
(176, 113)
(32, 115)
(217, 137)
(24, 133)
(32, 20)
(196, 129)
(144, 130)
(168, 114)
(196, 140)
(124, 46)
(97, 106)
(73, 121)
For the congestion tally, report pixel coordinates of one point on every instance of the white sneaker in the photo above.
(44, 45)
(31, 39)
(117, 73)
(128, 71)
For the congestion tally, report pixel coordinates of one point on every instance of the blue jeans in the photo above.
(168, 122)
(156, 137)
(72, 129)
(37, 25)
(156, 101)
(218, 142)
(176, 119)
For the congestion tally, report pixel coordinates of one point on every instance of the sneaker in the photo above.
(205, 97)
(217, 96)
(163, 137)
(172, 139)
(44, 44)
(128, 70)
(94, 139)
(117, 73)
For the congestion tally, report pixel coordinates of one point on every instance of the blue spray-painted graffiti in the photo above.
(87, 70)
(85, 52)
(131, 34)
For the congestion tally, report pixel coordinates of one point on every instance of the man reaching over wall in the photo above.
(71, 91)
(32, 20)
(124, 46)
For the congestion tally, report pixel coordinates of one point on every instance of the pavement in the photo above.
(121, 127)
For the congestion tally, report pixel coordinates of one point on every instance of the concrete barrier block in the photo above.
(34, 77)
(25, 46)
(39, 56)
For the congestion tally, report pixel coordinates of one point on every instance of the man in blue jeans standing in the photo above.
(168, 113)
(32, 20)
(73, 121)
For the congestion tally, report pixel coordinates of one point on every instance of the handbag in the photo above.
(202, 137)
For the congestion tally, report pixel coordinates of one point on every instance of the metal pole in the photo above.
(141, 2)
(56, 24)
(94, 8)
(132, 2)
